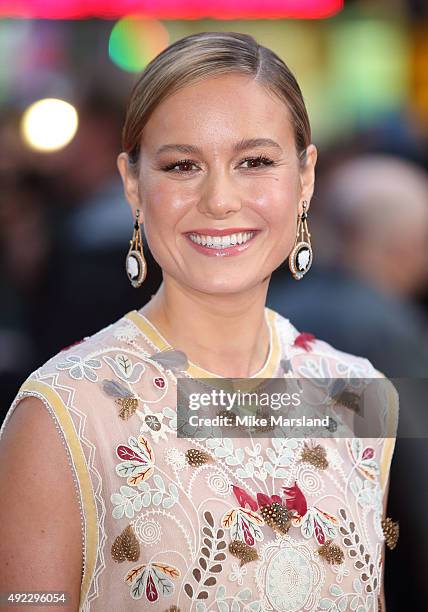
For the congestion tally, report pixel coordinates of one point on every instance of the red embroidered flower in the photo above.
(303, 340)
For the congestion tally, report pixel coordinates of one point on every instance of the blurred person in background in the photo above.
(372, 229)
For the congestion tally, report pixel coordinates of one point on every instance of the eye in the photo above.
(181, 162)
(260, 159)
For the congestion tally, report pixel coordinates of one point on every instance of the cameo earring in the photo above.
(136, 266)
(300, 258)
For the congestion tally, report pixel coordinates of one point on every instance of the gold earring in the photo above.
(300, 258)
(136, 267)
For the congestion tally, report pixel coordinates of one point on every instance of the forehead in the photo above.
(218, 111)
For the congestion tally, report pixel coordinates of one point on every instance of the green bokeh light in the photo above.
(134, 41)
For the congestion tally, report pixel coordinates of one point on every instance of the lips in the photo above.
(206, 231)
(231, 241)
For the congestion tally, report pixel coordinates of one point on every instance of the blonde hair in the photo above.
(200, 56)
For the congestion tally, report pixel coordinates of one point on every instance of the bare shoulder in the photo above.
(40, 529)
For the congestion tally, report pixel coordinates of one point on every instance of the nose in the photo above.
(220, 197)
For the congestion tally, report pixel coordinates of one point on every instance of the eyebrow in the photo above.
(241, 145)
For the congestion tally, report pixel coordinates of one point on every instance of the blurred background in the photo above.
(65, 225)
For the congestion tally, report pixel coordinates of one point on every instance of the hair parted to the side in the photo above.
(203, 55)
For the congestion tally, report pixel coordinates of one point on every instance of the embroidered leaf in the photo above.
(220, 593)
(209, 518)
(169, 570)
(188, 590)
(244, 498)
(114, 389)
(295, 500)
(244, 595)
(307, 527)
(171, 359)
(144, 475)
(228, 518)
(133, 573)
(152, 594)
(127, 454)
(124, 363)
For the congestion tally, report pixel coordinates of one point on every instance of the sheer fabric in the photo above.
(158, 521)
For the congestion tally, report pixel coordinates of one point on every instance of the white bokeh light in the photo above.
(49, 124)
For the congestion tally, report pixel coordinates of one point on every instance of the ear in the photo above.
(130, 182)
(307, 174)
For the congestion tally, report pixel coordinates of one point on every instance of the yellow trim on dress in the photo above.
(86, 491)
(391, 434)
(267, 370)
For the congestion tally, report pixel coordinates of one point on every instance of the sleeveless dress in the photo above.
(180, 524)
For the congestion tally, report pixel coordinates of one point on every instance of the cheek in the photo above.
(162, 211)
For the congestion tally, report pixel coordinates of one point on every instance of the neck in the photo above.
(226, 333)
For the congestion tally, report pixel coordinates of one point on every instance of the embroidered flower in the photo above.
(175, 458)
(152, 581)
(340, 571)
(303, 340)
(154, 423)
(364, 458)
(244, 525)
(237, 574)
(367, 494)
(137, 460)
(79, 368)
(319, 524)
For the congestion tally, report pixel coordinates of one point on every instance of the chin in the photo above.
(224, 286)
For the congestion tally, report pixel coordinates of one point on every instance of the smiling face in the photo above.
(219, 210)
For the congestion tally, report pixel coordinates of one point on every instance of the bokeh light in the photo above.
(49, 124)
(135, 40)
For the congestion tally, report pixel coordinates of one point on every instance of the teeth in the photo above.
(221, 242)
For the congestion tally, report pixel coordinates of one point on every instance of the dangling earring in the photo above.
(300, 258)
(136, 266)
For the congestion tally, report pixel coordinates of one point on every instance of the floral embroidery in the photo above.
(234, 603)
(148, 531)
(318, 523)
(152, 580)
(124, 369)
(79, 368)
(363, 458)
(129, 500)
(175, 458)
(126, 546)
(219, 483)
(209, 560)
(303, 340)
(244, 525)
(138, 459)
(289, 576)
(237, 574)
(181, 506)
(154, 422)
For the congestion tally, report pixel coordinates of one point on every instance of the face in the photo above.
(219, 211)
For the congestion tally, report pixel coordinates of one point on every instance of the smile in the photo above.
(221, 242)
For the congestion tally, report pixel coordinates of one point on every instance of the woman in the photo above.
(218, 164)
